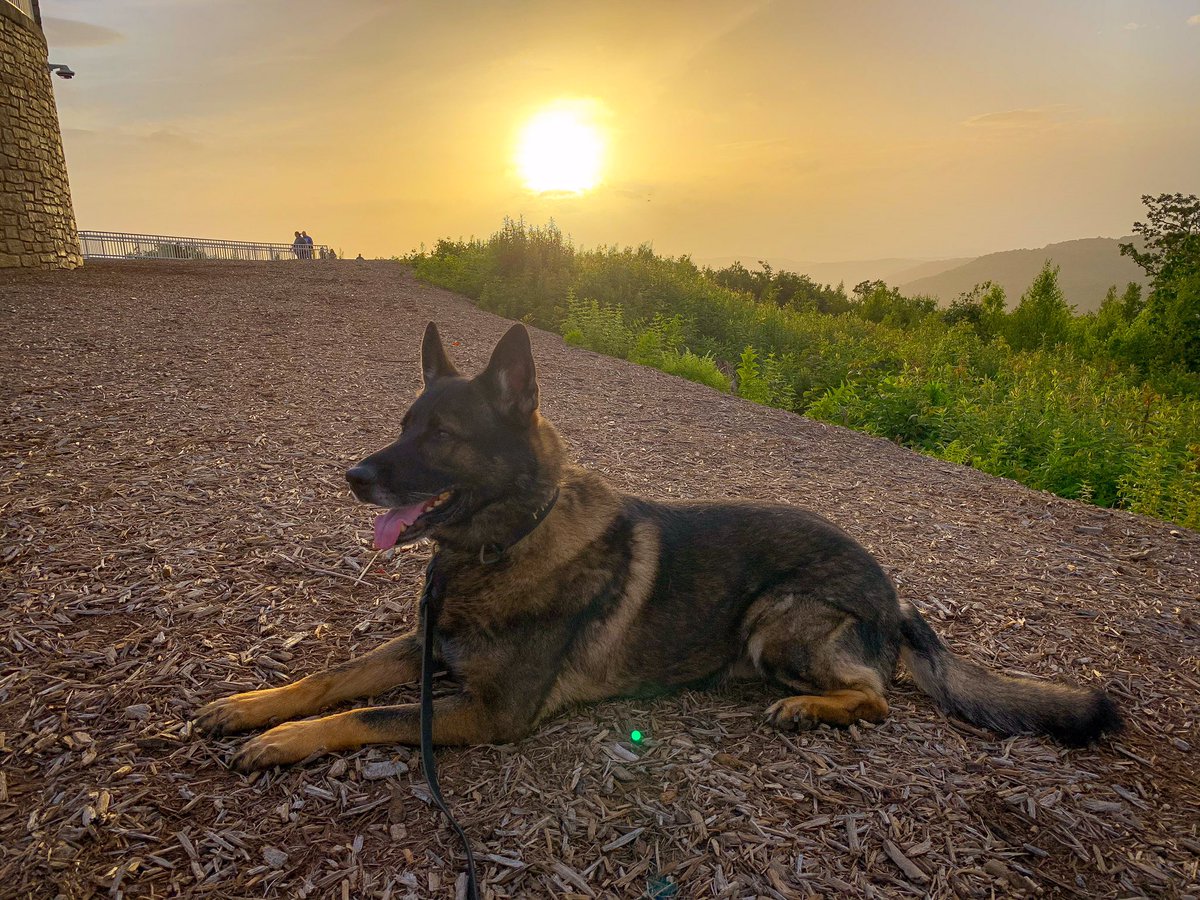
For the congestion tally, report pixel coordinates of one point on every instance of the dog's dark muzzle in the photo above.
(395, 476)
(362, 480)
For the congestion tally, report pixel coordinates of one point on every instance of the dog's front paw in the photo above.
(792, 714)
(283, 744)
(239, 712)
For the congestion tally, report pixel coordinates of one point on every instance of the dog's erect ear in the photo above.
(510, 377)
(435, 363)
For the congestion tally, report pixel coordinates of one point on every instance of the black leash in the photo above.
(431, 605)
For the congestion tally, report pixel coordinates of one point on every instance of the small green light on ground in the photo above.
(635, 736)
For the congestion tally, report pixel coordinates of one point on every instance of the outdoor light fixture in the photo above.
(60, 70)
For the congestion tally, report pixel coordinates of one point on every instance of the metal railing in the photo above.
(122, 245)
(25, 6)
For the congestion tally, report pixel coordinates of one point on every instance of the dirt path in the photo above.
(175, 526)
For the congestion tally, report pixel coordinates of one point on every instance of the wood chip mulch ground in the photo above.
(175, 527)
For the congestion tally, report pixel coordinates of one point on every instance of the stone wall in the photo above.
(37, 222)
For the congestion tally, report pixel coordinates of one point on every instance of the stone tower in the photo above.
(37, 222)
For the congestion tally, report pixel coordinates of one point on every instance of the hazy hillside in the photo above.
(1088, 268)
(925, 270)
(893, 271)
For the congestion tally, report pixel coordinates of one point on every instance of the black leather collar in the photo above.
(493, 553)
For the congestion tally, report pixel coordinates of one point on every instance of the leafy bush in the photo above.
(597, 327)
(694, 368)
(765, 381)
(662, 335)
(1092, 407)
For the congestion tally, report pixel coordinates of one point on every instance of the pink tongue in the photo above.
(390, 525)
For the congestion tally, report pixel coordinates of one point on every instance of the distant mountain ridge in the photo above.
(1087, 269)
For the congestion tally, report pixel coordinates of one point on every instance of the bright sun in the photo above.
(560, 150)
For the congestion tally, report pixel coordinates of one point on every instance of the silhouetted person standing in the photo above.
(308, 245)
(298, 246)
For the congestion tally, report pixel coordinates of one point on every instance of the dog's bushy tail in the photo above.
(1073, 715)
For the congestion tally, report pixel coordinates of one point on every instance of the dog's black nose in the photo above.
(360, 477)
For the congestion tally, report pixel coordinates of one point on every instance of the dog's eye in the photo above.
(443, 435)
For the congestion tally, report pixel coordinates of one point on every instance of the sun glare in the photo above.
(560, 150)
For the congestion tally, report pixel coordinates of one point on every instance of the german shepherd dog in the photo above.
(559, 590)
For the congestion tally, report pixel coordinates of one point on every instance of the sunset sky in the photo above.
(785, 131)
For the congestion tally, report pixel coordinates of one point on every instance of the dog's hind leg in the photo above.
(838, 665)
(842, 707)
(396, 662)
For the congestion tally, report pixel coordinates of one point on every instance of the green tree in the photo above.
(1099, 329)
(1042, 319)
(1131, 301)
(876, 302)
(736, 277)
(1171, 235)
(982, 308)
(782, 288)
(1171, 257)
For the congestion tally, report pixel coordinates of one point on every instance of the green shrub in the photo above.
(597, 327)
(1083, 406)
(751, 385)
(695, 368)
(662, 335)
(766, 381)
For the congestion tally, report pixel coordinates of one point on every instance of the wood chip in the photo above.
(622, 841)
(907, 866)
